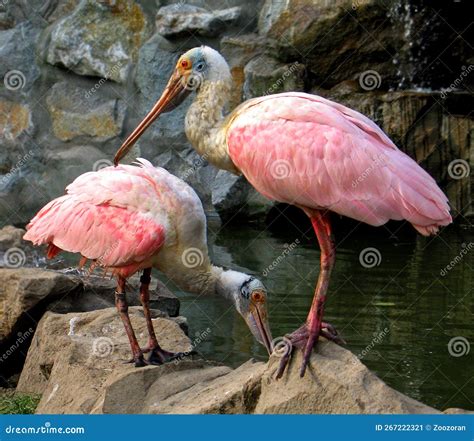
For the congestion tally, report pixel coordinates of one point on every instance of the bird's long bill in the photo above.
(174, 94)
(259, 325)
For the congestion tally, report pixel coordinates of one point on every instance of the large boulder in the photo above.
(83, 41)
(21, 290)
(265, 76)
(18, 68)
(74, 113)
(11, 237)
(72, 356)
(76, 362)
(238, 51)
(181, 19)
(233, 196)
(38, 12)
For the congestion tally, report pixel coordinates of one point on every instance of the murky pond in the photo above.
(403, 303)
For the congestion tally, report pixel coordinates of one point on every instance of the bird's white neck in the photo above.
(204, 124)
(207, 279)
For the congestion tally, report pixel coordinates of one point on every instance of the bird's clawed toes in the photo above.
(159, 356)
(138, 361)
(329, 332)
(304, 339)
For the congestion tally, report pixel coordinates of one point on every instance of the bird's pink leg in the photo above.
(322, 227)
(157, 354)
(122, 307)
(307, 335)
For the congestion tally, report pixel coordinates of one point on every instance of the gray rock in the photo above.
(182, 19)
(10, 237)
(238, 51)
(233, 194)
(265, 76)
(18, 69)
(163, 299)
(74, 113)
(39, 12)
(83, 41)
(229, 192)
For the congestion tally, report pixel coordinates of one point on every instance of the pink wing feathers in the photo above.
(305, 150)
(109, 216)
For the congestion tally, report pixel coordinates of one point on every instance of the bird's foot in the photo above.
(138, 360)
(159, 356)
(303, 339)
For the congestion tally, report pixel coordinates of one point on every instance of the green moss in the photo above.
(13, 403)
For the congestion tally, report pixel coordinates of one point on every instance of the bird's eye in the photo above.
(184, 63)
(258, 297)
(199, 66)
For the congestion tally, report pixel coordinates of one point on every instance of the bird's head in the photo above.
(194, 68)
(249, 296)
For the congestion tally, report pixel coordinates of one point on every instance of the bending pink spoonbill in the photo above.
(304, 150)
(131, 218)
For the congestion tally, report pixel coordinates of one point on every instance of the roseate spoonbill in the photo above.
(132, 218)
(304, 150)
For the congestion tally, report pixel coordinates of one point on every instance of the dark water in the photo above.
(400, 314)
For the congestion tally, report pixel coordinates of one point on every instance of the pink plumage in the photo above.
(308, 151)
(116, 217)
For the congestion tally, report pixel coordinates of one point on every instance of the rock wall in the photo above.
(78, 75)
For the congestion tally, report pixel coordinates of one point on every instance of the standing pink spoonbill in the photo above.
(304, 150)
(131, 218)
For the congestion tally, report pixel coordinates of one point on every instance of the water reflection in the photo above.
(399, 315)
